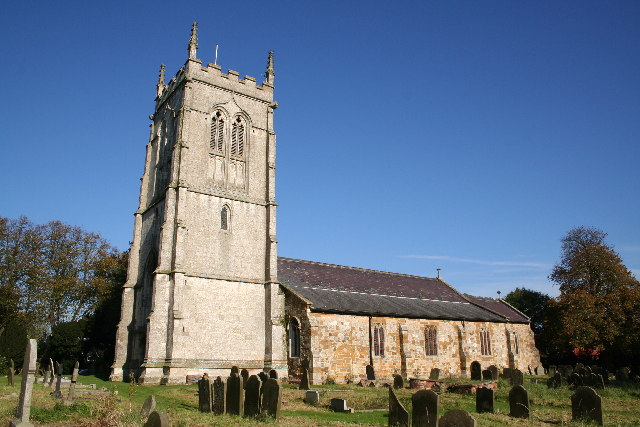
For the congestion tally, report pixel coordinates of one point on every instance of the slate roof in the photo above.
(349, 290)
(500, 307)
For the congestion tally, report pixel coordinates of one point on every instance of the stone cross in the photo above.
(252, 397)
(158, 419)
(586, 404)
(271, 398)
(304, 381)
(476, 371)
(11, 373)
(148, 407)
(371, 374)
(219, 396)
(398, 415)
(398, 381)
(519, 402)
(204, 394)
(28, 376)
(517, 377)
(434, 374)
(235, 395)
(426, 405)
(457, 418)
(485, 399)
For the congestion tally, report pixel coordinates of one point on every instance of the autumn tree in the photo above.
(534, 305)
(599, 297)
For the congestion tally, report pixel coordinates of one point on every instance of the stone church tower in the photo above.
(201, 293)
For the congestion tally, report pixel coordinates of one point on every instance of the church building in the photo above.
(206, 290)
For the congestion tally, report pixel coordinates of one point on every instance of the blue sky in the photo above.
(469, 136)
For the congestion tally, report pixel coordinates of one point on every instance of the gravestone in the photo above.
(398, 415)
(158, 419)
(457, 418)
(252, 397)
(72, 387)
(263, 376)
(53, 373)
(312, 397)
(245, 377)
(204, 394)
(506, 373)
(555, 381)
(565, 370)
(45, 379)
(596, 381)
(476, 371)
(538, 370)
(434, 374)
(487, 375)
(235, 395)
(271, 398)
(235, 370)
(219, 396)
(426, 405)
(148, 407)
(38, 373)
(304, 381)
(529, 370)
(517, 377)
(552, 370)
(494, 372)
(58, 393)
(519, 402)
(485, 399)
(398, 381)
(273, 374)
(371, 374)
(11, 373)
(575, 380)
(586, 405)
(622, 374)
(23, 411)
(339, 405)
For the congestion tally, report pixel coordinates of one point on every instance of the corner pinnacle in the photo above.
(270, 73)
(193, 41)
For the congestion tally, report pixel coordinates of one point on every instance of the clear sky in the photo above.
(469, 136)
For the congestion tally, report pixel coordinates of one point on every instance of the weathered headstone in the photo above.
(263, 376)
(204, 394)
(506, 373)
(252, 397)
(371, 374)
(519, 402)
(457, 418)
(487, 375)
(476, 371)
(273, 374)
(312, 397)
(555, 381)
(586, 404)
(575, 380)
(494, 372)
(245, 377)
(235, 370)
(45, 379)
(426, 405)
(53, 373)
(485, 399)
(596, 381)
(11, 373)
(158, 419)
(434, 374)
(148, 407)
(219, 396)
(58, 392)
(304, 381)
(517, 377)
(23, 411)
(552, 370)
(398, 415)
(339, 405)
(72, 387)
(622, 374)
(398, 381)
(271, 398)
(235, 395)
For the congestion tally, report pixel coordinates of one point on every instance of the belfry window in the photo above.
(431, 341)
(485, 342)
(217, 132)
(224, 218)
(378, 340)
(294, 338)
(238, 137)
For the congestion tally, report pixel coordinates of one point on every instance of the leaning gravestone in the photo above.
(586, 405)
(219, 396)
(72, 387)
(398, 381)
(58, 392)
(485, 399)
(517, 377)
(245, 377)
(204, 394)
(304, 381)
(158, 419)
(235, 395)
(148, 407)
(494, 372)
(398, 415)
(271, 398)
(476, 371)
(23, 411)
(487, 375)
(519, 402)
(434, 374)
(426, 405)
(457, 418)
(273, 374)
(11, 373)
(371, 374)
(252, 397)
(312, 397)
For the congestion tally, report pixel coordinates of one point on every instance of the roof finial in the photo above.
(193, 41)
(438, 269)
(160, 86)
(270, 74)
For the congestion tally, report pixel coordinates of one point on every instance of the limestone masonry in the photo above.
(203, 292)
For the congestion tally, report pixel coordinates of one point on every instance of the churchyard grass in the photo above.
(620, 406)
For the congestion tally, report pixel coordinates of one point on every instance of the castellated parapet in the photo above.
(201, 292)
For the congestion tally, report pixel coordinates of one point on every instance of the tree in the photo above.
(599, 297)
(532, 303)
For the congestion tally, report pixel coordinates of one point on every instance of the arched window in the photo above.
(485, 342)
(217, 132)
(378, 340)
(431, 341)
(238, 137)
(224, 218)
(294, 338)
